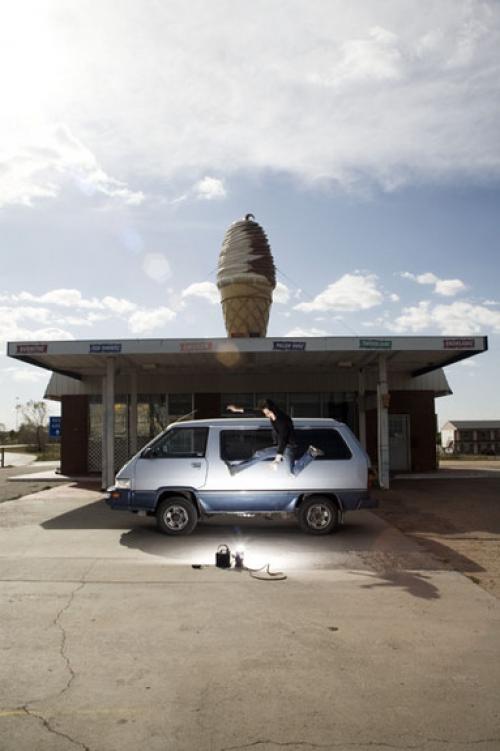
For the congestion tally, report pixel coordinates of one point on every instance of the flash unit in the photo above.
(223, 557)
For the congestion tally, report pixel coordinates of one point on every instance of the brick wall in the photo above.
(74, 435)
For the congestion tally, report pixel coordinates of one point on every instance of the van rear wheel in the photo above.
(319, 515)
(176, 516)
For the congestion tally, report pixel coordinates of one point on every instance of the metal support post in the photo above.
(383, 423)
(132, 419)
(361, 408)
(108, 424)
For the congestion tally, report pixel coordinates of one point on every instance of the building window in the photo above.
(152, 416)
(179, 405)
(305, 405)
(279, 398)
(342, 406)
(240, 400)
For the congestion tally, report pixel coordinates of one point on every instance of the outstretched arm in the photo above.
(234, 408)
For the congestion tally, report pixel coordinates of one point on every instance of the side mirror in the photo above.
(148, 453)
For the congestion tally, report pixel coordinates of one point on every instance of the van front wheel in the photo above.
(318, 515)
(176, 516)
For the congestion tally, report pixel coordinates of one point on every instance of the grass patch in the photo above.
(50, 454)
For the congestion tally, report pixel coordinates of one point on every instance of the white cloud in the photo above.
(144, 321)
(449, 287)
(72, 298)
(394, 297)
(456, 318)
(24, 375)
(206, 290)
(117, 305)
(445, 287)
(41, 169)
(351, 292)
(12, 330)
(414, 318)
(281, 293)
(209, 188)
(313, 331)
(157, 267)
(68, 298)
(388, 92)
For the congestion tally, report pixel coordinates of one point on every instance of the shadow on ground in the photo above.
(457, 521)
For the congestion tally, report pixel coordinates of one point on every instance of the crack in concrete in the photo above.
(310, 744)
(52, 730)
(357, 744)
(62, 646)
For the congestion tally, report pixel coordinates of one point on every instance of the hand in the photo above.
(233, 408)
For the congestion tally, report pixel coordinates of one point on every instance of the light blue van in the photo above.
(183, 475)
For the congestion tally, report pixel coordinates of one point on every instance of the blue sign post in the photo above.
(54, 427)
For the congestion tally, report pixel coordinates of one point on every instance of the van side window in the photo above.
(238, 445)
(181, 443)
(328, 440)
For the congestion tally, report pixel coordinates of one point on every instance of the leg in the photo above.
(306, 458)
(258, 456)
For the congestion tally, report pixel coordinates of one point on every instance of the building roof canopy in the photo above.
(86, 358)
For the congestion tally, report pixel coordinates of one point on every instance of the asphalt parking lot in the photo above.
(112, 640)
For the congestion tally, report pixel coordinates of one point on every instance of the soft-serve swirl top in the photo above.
(245, 253)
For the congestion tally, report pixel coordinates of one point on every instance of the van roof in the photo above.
(257, 422)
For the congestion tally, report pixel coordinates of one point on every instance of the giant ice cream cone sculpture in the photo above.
(246, 278)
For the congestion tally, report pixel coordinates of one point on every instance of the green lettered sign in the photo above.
(375, 343)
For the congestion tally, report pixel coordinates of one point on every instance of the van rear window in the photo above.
(328, 440)
(239, 445)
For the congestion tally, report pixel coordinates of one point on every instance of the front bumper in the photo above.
(118, 498)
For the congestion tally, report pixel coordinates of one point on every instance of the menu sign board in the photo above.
(31, 349)
(284, 346)
(105, 348)
(196, 346)
(467, 343)
(375, 343)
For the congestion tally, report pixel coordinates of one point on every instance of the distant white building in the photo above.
(471, 437)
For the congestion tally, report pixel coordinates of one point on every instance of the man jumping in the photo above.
(283, 437)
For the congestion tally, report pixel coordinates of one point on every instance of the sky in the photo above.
(364, 137)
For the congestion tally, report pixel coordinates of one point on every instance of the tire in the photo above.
(318, 515)
(176, 516)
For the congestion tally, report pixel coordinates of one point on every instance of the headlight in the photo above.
(123, 483)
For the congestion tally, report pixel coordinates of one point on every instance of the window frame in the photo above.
(149, 452)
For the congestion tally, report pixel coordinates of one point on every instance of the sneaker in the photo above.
(315, 452)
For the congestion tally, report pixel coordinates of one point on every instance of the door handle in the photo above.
(197, 465)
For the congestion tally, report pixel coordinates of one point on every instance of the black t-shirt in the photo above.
(283, 432)
(282, 427)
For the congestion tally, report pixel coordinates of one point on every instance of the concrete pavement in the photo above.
(112, 641)
(18, 459)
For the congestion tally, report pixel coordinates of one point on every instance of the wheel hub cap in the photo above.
(176, 517)
(319, 516)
